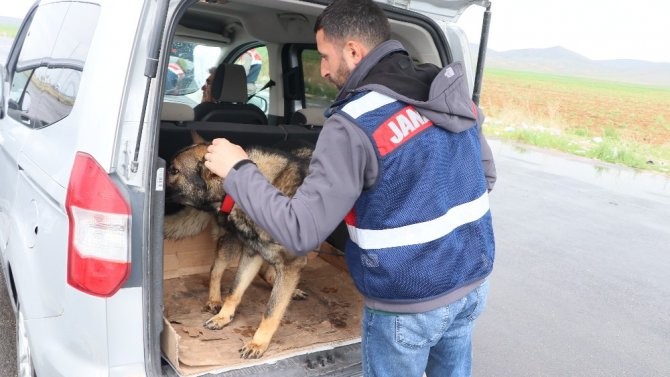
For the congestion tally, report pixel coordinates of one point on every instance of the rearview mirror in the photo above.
(25, 103)
(259, 102)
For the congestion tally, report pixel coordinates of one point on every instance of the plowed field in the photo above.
(579, 106)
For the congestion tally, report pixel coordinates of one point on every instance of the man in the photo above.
(207, 86)
(401, 154)
(179, 75)
(207, 103)
(252, 62)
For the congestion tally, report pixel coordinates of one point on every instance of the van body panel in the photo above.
(132, 106)
(98, 110)
(124, 324)
(73, 344)
(38, 244)
(12, 136)
(71, 333)
(448, 10)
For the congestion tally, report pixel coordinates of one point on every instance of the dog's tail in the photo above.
(185, 223)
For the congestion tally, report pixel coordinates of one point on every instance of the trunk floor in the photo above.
(330, 316)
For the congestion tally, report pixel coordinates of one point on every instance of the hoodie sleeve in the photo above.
(487, 155)
(450, 106)
(343, 163)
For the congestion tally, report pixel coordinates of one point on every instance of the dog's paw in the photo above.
(213, 306)
(217, 322)
(299, 294)
(252, 350)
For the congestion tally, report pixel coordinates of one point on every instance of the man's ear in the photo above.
(354, 52)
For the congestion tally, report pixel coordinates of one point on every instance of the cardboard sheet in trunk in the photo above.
(329, 317)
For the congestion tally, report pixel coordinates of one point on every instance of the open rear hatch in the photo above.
(450, 11)
(319, 335)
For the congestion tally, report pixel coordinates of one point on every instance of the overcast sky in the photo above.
(597, 29)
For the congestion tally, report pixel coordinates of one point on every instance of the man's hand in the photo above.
(222, 156)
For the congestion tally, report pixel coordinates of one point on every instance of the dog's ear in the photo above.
(197, 139)
(198, 177)
(205, 173)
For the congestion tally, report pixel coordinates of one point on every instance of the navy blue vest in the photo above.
(424, 229)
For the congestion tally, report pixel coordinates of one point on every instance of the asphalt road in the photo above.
(7, 333)
(580, 286)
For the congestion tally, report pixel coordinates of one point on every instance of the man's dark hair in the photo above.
(354, 19)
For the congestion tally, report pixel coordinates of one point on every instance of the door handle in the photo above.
(25, 119)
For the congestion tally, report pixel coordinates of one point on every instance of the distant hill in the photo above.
(10, 21)
(8, 28)
(561, 61)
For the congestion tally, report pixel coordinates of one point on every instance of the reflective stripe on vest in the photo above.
(176, 69)
(418, 233)
(396, 130)
(366, 103)
(255, 56)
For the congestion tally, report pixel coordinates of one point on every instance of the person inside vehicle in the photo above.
(207, 87)
(402, 159)
(207, 99)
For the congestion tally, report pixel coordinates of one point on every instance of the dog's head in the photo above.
(190, 183)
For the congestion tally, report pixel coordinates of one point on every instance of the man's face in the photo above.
(207, 89)
(334, 68)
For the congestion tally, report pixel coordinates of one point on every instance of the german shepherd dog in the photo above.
(191, 184)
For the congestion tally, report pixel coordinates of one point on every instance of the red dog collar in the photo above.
(227, 204)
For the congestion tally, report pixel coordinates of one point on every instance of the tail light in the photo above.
(100, 219)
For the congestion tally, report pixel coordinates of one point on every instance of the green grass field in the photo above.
(613, 122)
(8, 31)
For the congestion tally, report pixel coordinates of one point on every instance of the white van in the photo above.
(96, 96)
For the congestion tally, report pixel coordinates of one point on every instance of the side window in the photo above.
(188, 69)
(255, 62)
(319, 92)
(46, 78)
(18, 88)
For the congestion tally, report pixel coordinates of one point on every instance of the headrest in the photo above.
(230, 83)
(177, 112)
(311, 116)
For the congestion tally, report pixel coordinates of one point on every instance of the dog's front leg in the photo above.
(246, 271)
(285, 283)
(269, 274)
(228, 249)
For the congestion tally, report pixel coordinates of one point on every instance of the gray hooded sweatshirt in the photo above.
(344, 161)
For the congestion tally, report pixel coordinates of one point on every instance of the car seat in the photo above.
(312, 116)
(229, 89)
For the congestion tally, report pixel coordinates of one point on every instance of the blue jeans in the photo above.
(438, 342)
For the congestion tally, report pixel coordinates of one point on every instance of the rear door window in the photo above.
(189, 66)
(256, 62)
(319, 92)
(46, 78)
